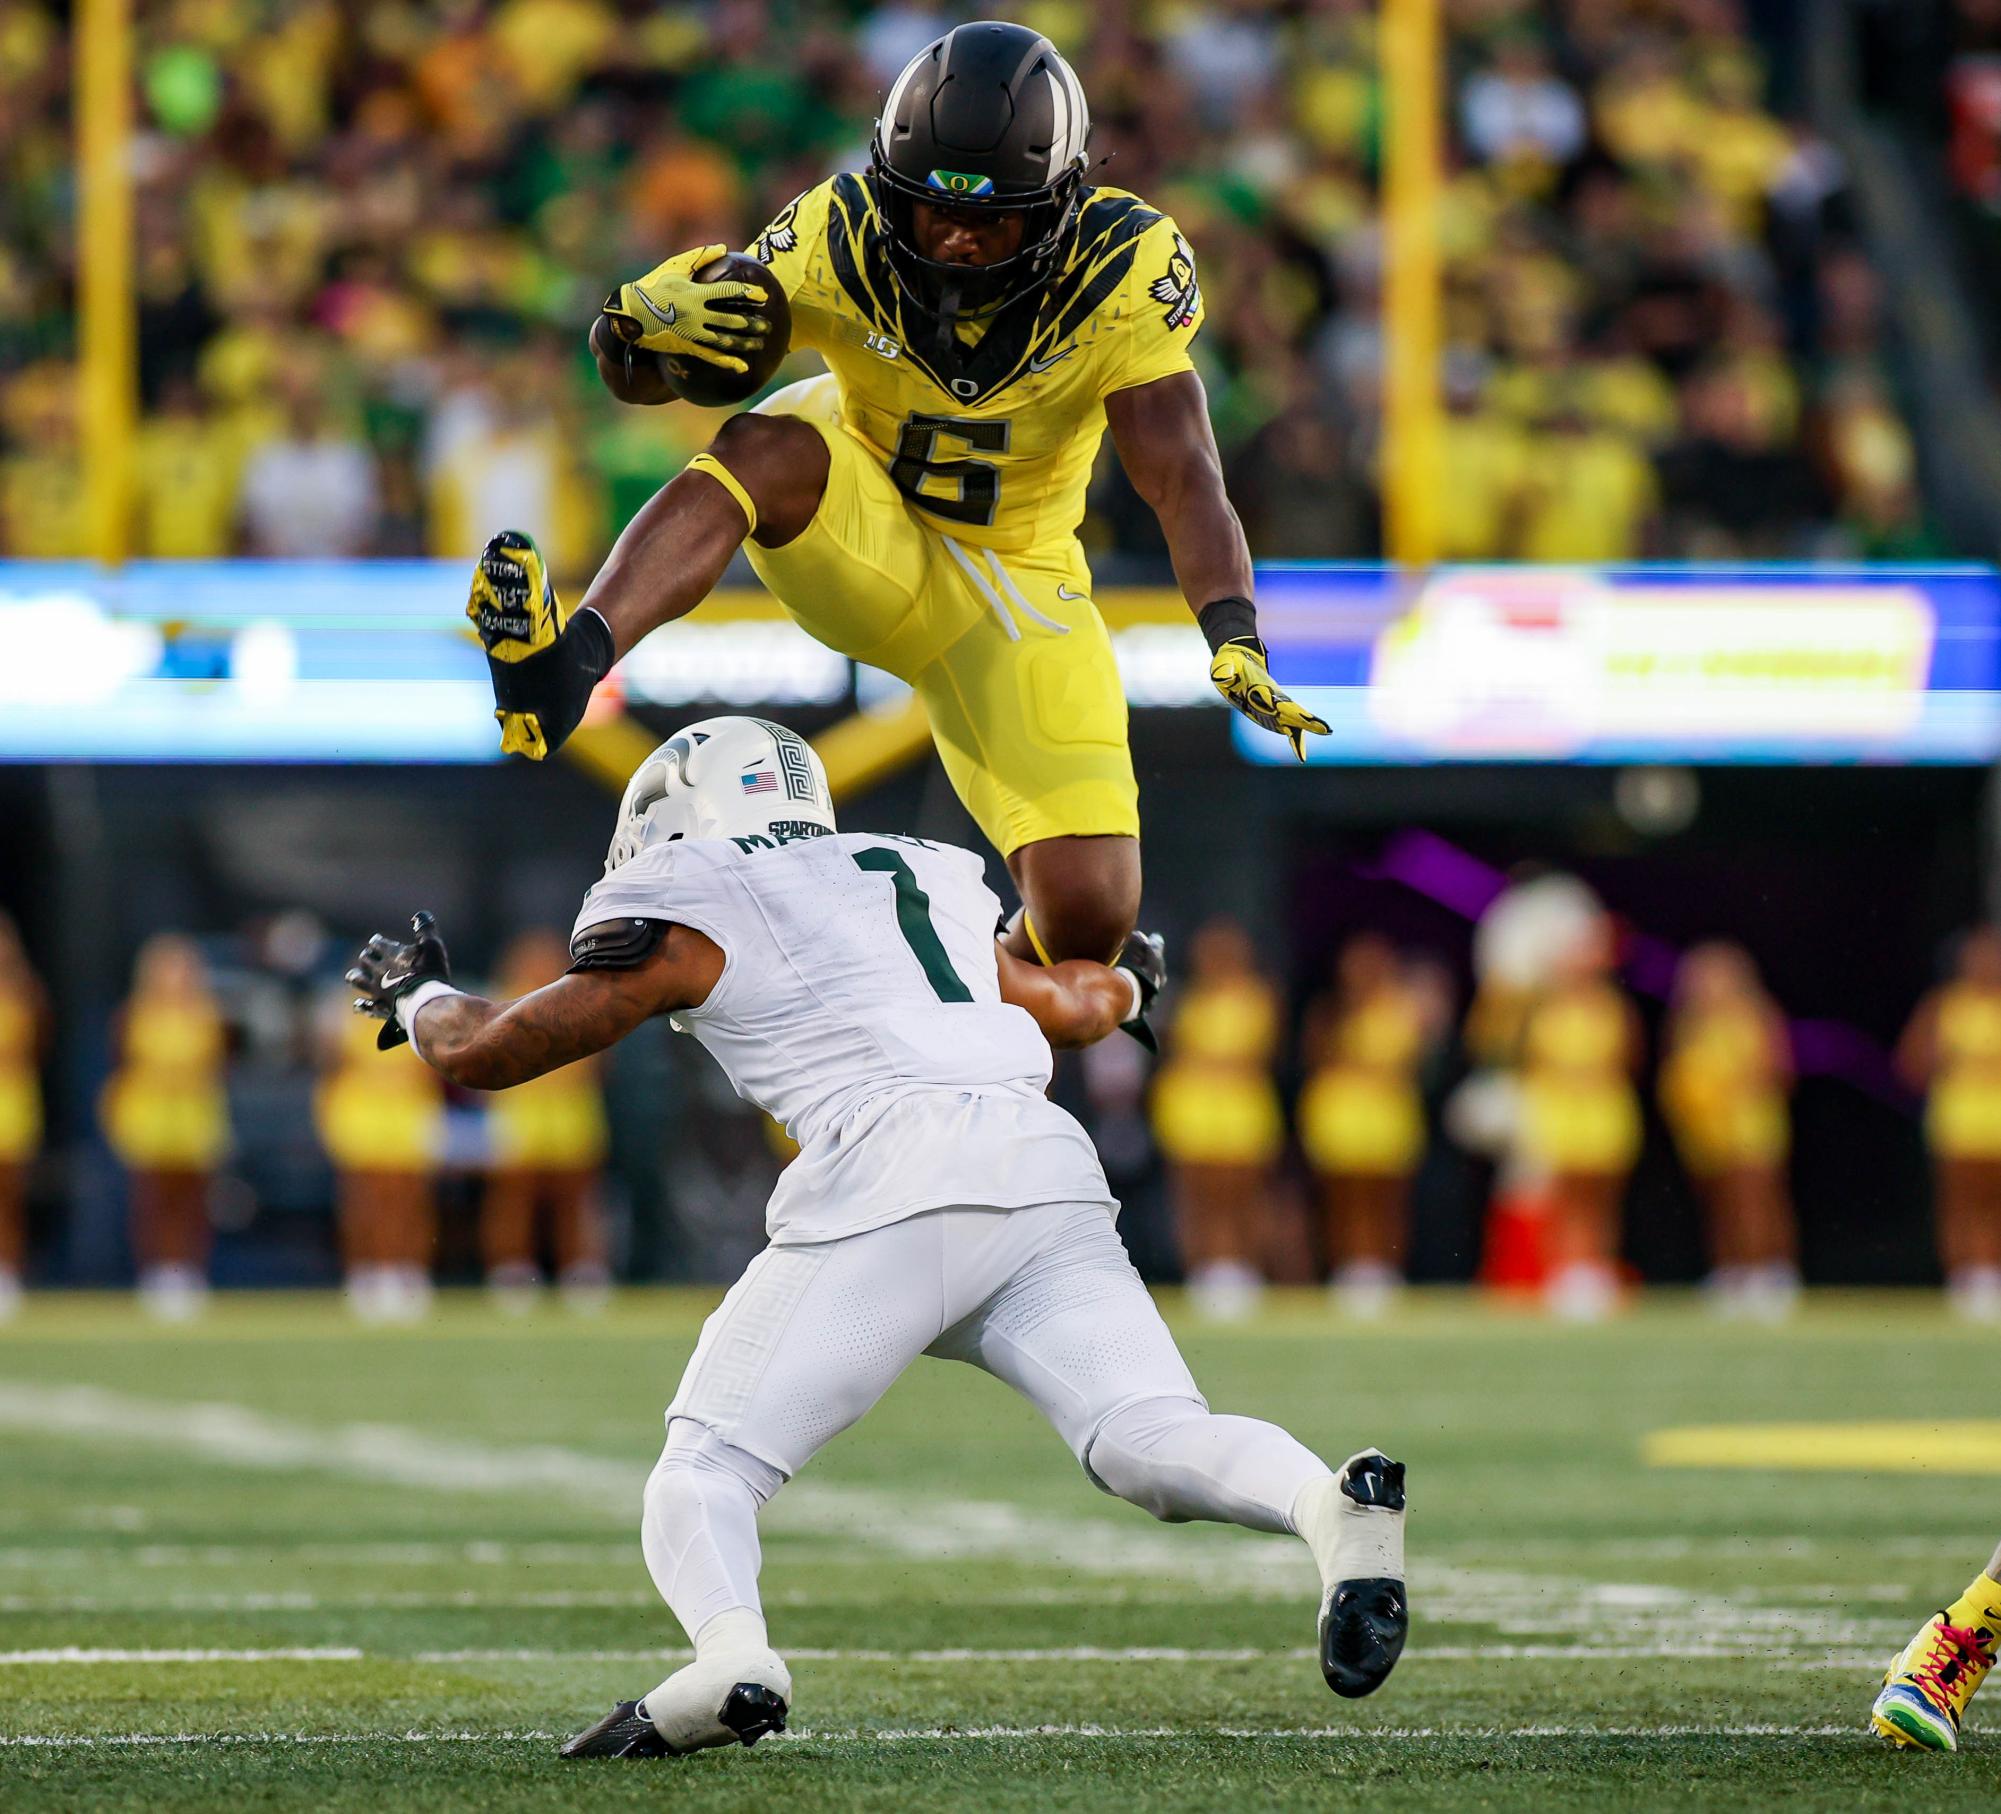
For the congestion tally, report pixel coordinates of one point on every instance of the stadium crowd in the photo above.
(370, 233)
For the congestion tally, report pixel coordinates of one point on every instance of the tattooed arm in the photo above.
(489, 1045)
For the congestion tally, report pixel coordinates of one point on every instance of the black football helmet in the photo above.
(989, 116)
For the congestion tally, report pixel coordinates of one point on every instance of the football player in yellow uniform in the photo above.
(984, 315)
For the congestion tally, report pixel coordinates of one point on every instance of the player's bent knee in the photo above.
(1122, 1454)
(695, 1456)
(1082, 894)
(781, 463)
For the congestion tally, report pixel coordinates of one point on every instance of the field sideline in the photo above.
(280, 1562)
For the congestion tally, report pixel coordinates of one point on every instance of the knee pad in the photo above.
(1119, 1458)
(694, 1450)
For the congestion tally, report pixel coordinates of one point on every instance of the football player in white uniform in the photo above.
(940, 1204)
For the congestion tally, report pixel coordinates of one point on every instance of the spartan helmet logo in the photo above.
(1176, 289)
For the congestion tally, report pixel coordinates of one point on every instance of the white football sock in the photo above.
(700, 1539)
(699, 1531)
(1349, 1542)
(1177, 1461)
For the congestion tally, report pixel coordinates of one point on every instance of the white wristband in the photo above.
(1139, 996)
(412, 1001)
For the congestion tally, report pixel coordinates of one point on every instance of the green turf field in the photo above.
(280, 1563)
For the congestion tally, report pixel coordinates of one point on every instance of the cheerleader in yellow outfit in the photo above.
(1952, 1051)
(23, 1025)
(1724, 1082)
(1217, 1118)
(548, 1141)
(1361, 1118)
(1580, 1121)
(166, 1114)
(380, 1117)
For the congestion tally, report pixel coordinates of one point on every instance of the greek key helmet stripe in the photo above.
(795, 761)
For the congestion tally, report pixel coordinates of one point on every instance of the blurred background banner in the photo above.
(316, 661)
(1575, 664)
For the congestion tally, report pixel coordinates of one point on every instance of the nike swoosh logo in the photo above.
(1064, 592)
(1042, 365)
(668, 318)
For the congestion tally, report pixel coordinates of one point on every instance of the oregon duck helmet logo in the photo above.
(1177, 289)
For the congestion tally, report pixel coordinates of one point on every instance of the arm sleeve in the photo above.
(1162, 307)
(794, 248)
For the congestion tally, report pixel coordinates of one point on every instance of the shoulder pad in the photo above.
(621, 944)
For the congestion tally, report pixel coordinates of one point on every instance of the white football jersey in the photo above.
(860, 1005)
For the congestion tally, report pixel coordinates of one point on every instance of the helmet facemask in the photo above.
(957, 293)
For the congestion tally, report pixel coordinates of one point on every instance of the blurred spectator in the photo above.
(1520, 111)
(166, 1116)
(187, 470)
(1217, 1119)
(24, 1024)
(310, 494)
(1726, 1073)
(1952, 1051)
(380, 1117)
(509, 456)
(1361, 1119)
(42, 503)
(547, 1139)
(1580, 1121)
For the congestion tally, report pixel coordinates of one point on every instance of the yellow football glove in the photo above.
(667, 311)
(1237, 667)
(543, 660)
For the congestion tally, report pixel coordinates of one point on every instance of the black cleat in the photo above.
(623, 1732)
(1366, 1618)
(753, 1711)
(1362, 1631)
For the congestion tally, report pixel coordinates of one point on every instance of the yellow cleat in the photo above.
(1926, 1689)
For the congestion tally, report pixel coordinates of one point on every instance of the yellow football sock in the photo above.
(1979, 1608)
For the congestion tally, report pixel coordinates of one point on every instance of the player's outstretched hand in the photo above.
(1239, 670)
(1144, 958)
(543, 660)
(670, 311)
(389, 969)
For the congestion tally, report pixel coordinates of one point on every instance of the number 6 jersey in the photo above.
(991, 437)
(860, 1005)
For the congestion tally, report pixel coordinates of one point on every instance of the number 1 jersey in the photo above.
(1019, 403)
(860, 1005)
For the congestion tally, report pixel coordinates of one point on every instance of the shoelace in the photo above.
(1945, 1663)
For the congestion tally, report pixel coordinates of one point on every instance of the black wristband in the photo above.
(1228, 620)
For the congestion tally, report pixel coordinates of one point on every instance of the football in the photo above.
(695, 380)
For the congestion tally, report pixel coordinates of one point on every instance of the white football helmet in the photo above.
(724, 778)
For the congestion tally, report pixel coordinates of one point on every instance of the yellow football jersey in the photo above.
(993, 436)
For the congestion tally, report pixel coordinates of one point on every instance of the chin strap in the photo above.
(948, 322)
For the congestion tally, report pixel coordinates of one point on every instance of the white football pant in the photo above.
(1044, 1298)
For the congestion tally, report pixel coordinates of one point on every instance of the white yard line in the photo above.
(1071, 1653)
(964, 1734)
(477, 1553)
(76, 1653)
